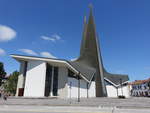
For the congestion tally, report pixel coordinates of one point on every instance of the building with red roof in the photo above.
(140, 88)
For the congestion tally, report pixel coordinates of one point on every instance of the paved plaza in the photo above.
(91, 105)
(93, 102)
(66, 109)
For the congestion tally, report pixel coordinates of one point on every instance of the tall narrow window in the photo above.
(24, 72)
(55, 81)
(21, 90)
(25, 68)
(48, 79)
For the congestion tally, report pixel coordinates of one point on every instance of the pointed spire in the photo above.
(91, 17)
(89, 42)
(83, 36)
(91, 6)
(91, 11)
(90, 53)
(84, 20)
(88, 37)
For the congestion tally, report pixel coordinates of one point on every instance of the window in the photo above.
(55, 81)
(25, 68)
(107, 83)
(48, 79)
(71, 74)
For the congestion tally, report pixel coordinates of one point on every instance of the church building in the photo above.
(84, 77)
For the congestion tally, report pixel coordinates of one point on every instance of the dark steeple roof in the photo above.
(90, 62)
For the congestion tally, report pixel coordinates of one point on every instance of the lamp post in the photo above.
(70, 91)
(87, 85)
(121, 86)
(78, 87)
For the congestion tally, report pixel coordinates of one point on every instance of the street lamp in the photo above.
(121, 86)
(78, 87)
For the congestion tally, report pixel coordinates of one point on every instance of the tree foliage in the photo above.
(2, 72)
(11, 83)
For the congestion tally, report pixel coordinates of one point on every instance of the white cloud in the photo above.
(73, 59)
(2, 52)
(6, 33)
(52, 38)
(28, 51)
(47, 54)
(57, 37)
(48, 38)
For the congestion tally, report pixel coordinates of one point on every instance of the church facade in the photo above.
(83, 77)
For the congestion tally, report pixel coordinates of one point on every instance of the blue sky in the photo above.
(53, 28)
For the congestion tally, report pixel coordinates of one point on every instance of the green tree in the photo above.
(11, 83)
(2, 73)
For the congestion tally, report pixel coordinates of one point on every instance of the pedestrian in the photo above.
(5, 97)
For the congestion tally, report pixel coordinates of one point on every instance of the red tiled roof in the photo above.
(136, 82)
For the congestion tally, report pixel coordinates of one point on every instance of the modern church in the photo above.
(84, 77)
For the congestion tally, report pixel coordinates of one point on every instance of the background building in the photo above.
(140, 88)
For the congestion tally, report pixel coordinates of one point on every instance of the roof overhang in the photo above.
(116, 85)
(56, 62)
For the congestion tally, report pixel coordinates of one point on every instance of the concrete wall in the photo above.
(35, 83)
(35, 79)
(91, 91)
(112, 91)
(73, 91)
(126, 91)
(62, 82)
(83, 88)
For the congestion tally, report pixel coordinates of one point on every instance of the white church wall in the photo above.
(62, 82)
(73, 91)
(83, 88)
(112, 91)
(91, 91)
(126, 91)
(35, 79)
